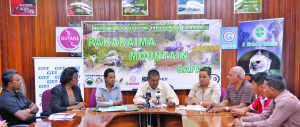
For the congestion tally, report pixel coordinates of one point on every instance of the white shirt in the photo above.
(167, 93)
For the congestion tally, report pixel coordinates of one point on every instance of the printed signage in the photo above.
(260, 46)
(68, 39)
(228, 37)
(23, 7)
(247, 6)
(47, 71)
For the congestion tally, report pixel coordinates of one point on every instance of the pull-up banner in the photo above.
(260, 46)
(178, 49)
(47, 71)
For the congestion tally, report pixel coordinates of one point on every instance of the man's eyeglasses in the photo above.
(19, 80)
(153, 81)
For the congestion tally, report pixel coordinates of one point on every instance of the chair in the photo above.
(1, 118)
(46, 97)
(223, 91)
(93, 102)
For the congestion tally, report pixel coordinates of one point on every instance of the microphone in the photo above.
(148, 97)
(157, 95)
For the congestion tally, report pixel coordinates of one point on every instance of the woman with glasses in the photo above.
(67, 95)
(109, 93)
(206, 91)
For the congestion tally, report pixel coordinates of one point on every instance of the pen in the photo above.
(79, 102)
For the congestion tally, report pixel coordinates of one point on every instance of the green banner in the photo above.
(247, 6)
(178, 49)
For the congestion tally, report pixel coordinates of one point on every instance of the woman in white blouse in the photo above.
(206, 91)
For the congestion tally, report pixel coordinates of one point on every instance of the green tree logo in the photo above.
(260, 32)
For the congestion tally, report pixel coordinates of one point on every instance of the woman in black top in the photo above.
(65, 96)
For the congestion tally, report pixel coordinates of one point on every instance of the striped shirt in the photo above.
(112, 96)
(243, 95)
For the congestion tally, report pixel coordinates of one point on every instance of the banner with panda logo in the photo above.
(260, 46)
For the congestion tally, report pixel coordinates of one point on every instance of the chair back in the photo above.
(46, 97)
(93, 102)
(0, 94)
(223, 91)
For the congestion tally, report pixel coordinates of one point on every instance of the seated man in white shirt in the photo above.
(153, 84)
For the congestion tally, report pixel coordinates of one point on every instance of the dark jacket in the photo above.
(59, 99)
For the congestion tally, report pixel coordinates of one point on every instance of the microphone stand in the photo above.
(140, 121)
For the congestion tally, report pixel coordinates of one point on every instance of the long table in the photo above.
(164, 117)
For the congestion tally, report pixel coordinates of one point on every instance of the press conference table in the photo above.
(165, 117)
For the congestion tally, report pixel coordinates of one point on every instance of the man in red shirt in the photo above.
(260, 103)
(283, 111)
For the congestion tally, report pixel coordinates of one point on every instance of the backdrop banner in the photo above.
(178, 49)
(260, 46)
(47, 71)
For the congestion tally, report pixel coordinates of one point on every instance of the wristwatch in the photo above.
(28, 110)
(243, 124)
(226, 109)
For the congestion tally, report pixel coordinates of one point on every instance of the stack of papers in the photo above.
(193, 107)
(62, 116)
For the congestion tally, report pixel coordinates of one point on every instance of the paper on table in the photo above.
(193, 107)
(62, 116)
(111, 109)
(153, 105)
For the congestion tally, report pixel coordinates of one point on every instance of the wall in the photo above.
(25, 37)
